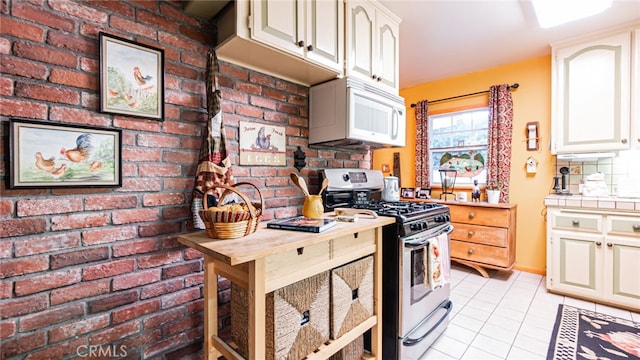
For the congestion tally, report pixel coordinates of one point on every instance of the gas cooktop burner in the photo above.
(404, 210)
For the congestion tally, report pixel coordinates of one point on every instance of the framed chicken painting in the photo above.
(131, 78)
(47, 154)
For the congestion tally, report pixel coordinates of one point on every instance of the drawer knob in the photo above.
(310, 48)
(598, 243)
(609, 244)
(635, 227)
(470, 233)
(470, 251)
(301, 43)
(472, 215)
(575, 222)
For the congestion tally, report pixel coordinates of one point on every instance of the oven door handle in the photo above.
(447, 305)
(421, 240)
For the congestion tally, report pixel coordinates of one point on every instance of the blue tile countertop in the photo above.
(605, 203)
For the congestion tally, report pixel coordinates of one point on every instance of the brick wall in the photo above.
(84, 267)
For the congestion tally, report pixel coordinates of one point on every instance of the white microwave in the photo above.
(349, 113)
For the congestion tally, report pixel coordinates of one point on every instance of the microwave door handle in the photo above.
(394, 124)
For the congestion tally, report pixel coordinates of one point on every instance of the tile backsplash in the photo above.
(625, 166)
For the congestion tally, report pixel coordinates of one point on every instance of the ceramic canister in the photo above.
(391, 191)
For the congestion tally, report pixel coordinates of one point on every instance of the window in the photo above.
(459, 140)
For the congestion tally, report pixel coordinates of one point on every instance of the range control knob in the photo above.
(345, 177)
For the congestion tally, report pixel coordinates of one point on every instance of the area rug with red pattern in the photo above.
(584, 334)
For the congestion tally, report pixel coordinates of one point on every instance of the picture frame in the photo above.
(50, 155)
(408, 193)
(131, 78)
(423, 194)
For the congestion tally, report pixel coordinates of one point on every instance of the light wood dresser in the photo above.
(484, 235)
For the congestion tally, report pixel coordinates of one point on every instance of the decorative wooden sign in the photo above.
(262, 144)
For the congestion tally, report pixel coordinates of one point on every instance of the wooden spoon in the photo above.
(303, 185)
(299, 181)
(325, 183)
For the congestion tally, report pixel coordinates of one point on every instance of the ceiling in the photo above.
(445, 38)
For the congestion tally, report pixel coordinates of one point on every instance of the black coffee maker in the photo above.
(559, 189)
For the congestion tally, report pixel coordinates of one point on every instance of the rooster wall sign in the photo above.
(262, 144)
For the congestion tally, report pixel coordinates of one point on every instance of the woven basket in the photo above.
(221, 224)
(351, 295)
(352, 351)
(297, 318)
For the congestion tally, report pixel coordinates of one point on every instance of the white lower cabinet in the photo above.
(595, 256)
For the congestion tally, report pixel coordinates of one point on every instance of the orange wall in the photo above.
(531, 102)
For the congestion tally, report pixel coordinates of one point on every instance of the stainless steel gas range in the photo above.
(415, 261)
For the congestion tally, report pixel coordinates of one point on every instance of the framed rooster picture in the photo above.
(262, 144)
(47, 154)
(131, 78)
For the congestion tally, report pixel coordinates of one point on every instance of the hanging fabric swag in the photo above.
(214, 166)
(423, 158)
(499, 140)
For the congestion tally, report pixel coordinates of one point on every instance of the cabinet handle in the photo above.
(379, 78)
(470, 251)
(301, 43)
(609, 244)
(374, 77)
(635, 227)
(638, 139)
(470, 233)
(575, 222)
(310, 47)
(472, 215)
(598, 243)
(624, 141)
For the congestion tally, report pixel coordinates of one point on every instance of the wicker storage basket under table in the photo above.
(351, 295)
(222, 224)
(297, 318)
(352, 351)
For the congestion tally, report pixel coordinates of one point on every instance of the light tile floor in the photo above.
(509, 315)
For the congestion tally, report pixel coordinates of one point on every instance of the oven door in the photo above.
(425, 289)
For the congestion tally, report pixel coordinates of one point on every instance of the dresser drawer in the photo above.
(480, 234)
(576, 221)
(480, 216)
(623, 225)
(497, 256)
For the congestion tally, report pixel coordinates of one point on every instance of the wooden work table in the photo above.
(271, 259)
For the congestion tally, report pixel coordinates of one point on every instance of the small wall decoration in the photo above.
(131, 78)
(262, 144)
(44, 155)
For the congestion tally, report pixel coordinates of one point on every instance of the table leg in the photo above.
(210, 308)
(257, 310)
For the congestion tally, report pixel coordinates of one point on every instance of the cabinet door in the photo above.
(576, 263)
(325, 33)
(622, 271)
(387, 50)
(592, 95)
(278, 23)
(360, 39)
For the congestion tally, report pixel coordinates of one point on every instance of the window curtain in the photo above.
(499, 141)
(423, 159)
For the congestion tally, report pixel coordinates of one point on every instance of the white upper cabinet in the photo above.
(295, 40)
(591, 92)
(373, 44)
(310, 29)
